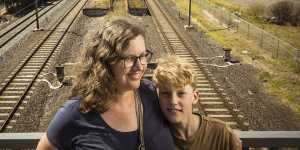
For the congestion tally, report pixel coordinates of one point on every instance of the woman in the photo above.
(111, 98)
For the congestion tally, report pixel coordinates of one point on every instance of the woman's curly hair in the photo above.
(94, 81)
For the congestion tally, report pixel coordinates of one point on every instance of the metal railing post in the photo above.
(60, 73)
(190, 11)
(36, 14)
(227, 55)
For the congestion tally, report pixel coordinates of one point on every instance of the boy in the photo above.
(175, 83)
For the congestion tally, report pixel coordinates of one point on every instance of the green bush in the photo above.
(296, 16)
(282, 11)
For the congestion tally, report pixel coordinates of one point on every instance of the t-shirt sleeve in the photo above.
(232, 142)
(222, 136)
(61, 128)
(235, 141)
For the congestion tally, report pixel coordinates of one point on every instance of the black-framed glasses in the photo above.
(130, 61)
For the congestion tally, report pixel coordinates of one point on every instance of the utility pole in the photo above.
(190, 11)
(189, 26)
(37, 16)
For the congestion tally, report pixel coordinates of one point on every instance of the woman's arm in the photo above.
(44, 144)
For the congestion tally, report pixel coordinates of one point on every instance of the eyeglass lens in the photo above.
(143, 59)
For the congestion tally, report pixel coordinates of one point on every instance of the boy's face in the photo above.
(177, 104)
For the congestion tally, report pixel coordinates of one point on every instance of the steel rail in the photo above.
(179, 40)
(14, 29)
(59, 39)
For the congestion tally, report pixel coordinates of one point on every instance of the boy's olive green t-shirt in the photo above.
(213, 134)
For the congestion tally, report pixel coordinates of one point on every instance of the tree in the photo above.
(282, 10)
(296, 16)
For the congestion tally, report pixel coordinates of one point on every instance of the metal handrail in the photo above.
(269, 139)
(253, 139)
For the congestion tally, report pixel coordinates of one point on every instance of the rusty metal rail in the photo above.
(20, 84)
(250, 139)
(213, 100)
(10, 32)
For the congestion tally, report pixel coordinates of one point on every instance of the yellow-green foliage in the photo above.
(101, 3)
(120, 9)
(228, 5)
(288, 33)
(256, 9)
(286, 86)
(281, 79)
(136, 3)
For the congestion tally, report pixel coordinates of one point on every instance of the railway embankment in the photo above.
(246, 83)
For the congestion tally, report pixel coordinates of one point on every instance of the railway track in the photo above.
(18, 87)
(213, 100)
(10, 32)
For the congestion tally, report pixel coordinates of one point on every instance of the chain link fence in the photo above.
(277, 48)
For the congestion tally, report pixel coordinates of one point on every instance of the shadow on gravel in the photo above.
(95, 12)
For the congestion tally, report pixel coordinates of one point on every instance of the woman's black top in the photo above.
(71, 129)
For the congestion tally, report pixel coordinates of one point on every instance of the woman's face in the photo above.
(128, 75)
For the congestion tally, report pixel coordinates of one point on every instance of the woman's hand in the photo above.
(44, 144)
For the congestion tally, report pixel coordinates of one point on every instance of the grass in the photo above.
(286, 87)
(137, 4)
(228, 5)
(287, 33)
(280, 79)
(101, 3)
(120, 9)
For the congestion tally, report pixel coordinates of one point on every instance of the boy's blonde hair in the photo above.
(173, 72)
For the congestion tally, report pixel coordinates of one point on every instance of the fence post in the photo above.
(298, 61)
(229, 19)
(262, 38)
(248, 33)
(277, 48)
(238, 24)
(202, 43)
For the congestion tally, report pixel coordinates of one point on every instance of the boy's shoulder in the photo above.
(215, 123)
